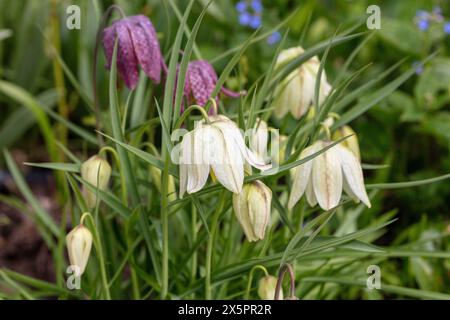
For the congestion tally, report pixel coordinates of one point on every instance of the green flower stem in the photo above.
(250, 279)
(103, 150)
(209, 249)
(188, 111)
(194, 239)
(165, 226)
(99, 249)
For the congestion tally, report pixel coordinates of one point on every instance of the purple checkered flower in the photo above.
(137, 45)
(200, 82)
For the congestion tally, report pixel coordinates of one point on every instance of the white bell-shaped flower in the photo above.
(324, 177)
(217, 145)
(295, 93)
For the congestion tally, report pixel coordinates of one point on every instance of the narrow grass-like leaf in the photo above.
(68, 167)
(40, 212)
(408, 184)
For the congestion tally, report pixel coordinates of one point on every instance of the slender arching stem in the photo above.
(105, 149)
(188, 111)
(102, 25)
(250, 279)
(284, 268)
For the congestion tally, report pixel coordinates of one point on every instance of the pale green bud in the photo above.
(156, 179)
(95, 170)
(252, 209)
(267, 287)
(79, 243)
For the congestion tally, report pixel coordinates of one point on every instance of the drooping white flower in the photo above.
(324, 177)
(79, 243)
(252, 209)
(218, 146)
(295, 93)
(97, 172)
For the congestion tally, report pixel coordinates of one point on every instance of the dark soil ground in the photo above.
(21, 247)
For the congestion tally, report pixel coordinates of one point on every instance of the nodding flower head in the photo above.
(137, 45)
(200, 82)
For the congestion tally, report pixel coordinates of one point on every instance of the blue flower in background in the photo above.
(437, 13)
(422, 14)
(257, 6)
(447, 27)
(250, 13)
(423, 24)
(274, 38)
(245, 18)
(418, 66)
(241, 6)
(255, 22)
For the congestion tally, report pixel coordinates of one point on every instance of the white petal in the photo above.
(193, 173)
(227, 164)
(327, 178)
(232, 133)
(310, 196)
(301, 176)
(259, 139)
(353, 174)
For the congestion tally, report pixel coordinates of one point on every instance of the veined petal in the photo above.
(146, 46)
(353, 174)
(109, 35)
(240, 205)
(301, 176)
(327, 178)
(199, 170)
(228, 164)
(126, 59)
(310, 196)
(230, 130)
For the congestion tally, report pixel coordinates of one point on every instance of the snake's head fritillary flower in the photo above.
(266, 288)
(216, 146)
(252, 209)
(97, 172)
(324, 177)
(79, 243)
(351, 142)
(295, 93)
(137, 46)
(201, 78)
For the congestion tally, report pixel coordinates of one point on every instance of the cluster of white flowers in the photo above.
(217, 147)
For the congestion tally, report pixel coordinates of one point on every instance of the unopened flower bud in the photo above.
(79, 243)
(351, 142)
(259, 139)
(267, 287)
(97, 172)
(156, 179)
(252, 209)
